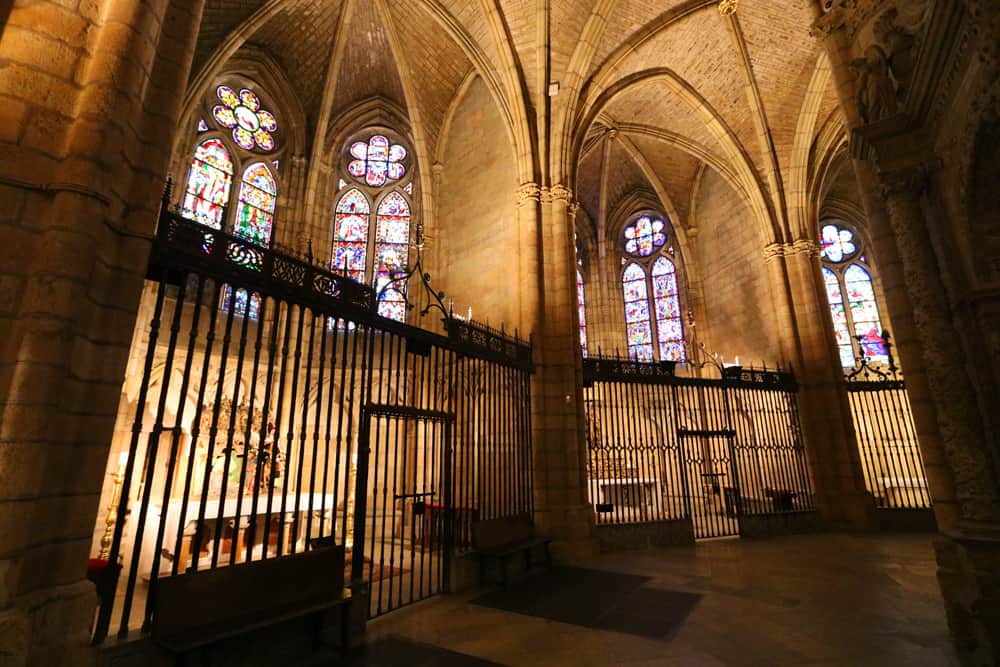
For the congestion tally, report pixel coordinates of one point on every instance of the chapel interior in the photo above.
(500, 332)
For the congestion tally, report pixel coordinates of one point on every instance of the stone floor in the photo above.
(817, 601)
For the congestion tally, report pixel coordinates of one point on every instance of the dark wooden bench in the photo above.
(194, 610)
(499, 539)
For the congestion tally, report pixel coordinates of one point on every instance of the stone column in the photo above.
(86, 152)
(968, 553)
(562, 508)
(831, 444)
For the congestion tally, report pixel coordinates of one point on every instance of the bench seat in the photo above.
(194, 610)
(500, 539)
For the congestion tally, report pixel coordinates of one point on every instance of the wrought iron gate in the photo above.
(254, 379)
(890, 454)
(717, 452)
(404, 495)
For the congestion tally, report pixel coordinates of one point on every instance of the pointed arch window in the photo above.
(209, 180)
(232, 141)
(249, 309)
(850, 294)
(653, 324)
(638, 329)
(669, 329)
(255, 212)
(392, 253)
(367, 250)
(351, 236)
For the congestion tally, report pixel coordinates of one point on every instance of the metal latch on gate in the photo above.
(419, 507)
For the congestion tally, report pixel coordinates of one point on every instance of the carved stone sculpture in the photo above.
(876, 92)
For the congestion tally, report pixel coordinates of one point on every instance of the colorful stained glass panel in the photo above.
(209, 180)
(255, 213)
(377, 161)
(644, 235)
(837, 243)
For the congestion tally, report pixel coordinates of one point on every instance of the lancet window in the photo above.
(240, 137)
(653, 324)
(375, 251)
(850, 292)
(234, 134)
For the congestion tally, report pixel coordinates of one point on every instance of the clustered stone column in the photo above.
(802, 315)
(92, 91)
(562, 509)
(896, 171)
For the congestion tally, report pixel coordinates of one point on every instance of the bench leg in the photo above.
(548, 556)
(503, 571)
(482, 570)
(527, 559)
(345, 629)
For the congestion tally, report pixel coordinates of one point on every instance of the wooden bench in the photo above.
(194, 610)
(499, 539)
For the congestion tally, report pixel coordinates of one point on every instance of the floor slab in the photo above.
(803, 601)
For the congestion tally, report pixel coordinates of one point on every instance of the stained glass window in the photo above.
(392, 239)
(581, 306)
(837, 243)
(639, 331)
(251, 310)
(252, 126)
(644, 236)
(669, 326)
(209, 179)
(654, 326)
(256, 208)
(841, 331)
(350, 244)
(377, 161)
(851, 296)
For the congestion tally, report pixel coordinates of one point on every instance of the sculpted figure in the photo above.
(876, 92)
(899, 45)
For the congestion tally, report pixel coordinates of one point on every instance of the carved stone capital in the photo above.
(528, 193)
(835, 18)
(804, 247)
(773, 251)
(557, 192)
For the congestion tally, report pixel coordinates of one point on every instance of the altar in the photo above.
(233, 528)
(627, 491)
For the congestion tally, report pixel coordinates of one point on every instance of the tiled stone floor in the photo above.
(804, 601)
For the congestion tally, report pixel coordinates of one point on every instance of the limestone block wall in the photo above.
(476, 214)
(734, 277)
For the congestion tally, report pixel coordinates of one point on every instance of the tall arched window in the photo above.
(255, 212)
(367, 252)
(242, 133)
(581, 304)
(350, 243)
(669, 330)
(653, 324)
(392, 252)
(210, 177)
(851, 295)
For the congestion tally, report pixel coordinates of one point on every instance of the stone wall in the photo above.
(476, 214)
(735, 284)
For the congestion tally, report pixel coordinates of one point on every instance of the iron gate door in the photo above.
(706, 437)
(404, 508)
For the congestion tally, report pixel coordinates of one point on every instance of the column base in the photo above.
(571, 529)
(969, 576)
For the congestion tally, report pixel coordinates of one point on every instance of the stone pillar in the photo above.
(831, 444)
(561, 504)
(86, 144)
(968, 552)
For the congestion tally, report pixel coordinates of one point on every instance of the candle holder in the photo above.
(112, 513)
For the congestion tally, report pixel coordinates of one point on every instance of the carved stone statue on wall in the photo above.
(876, 92)
(900, 46)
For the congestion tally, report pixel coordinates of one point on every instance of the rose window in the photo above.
(644, 236)
(377, 161)
(252, 126)
(837, 243)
